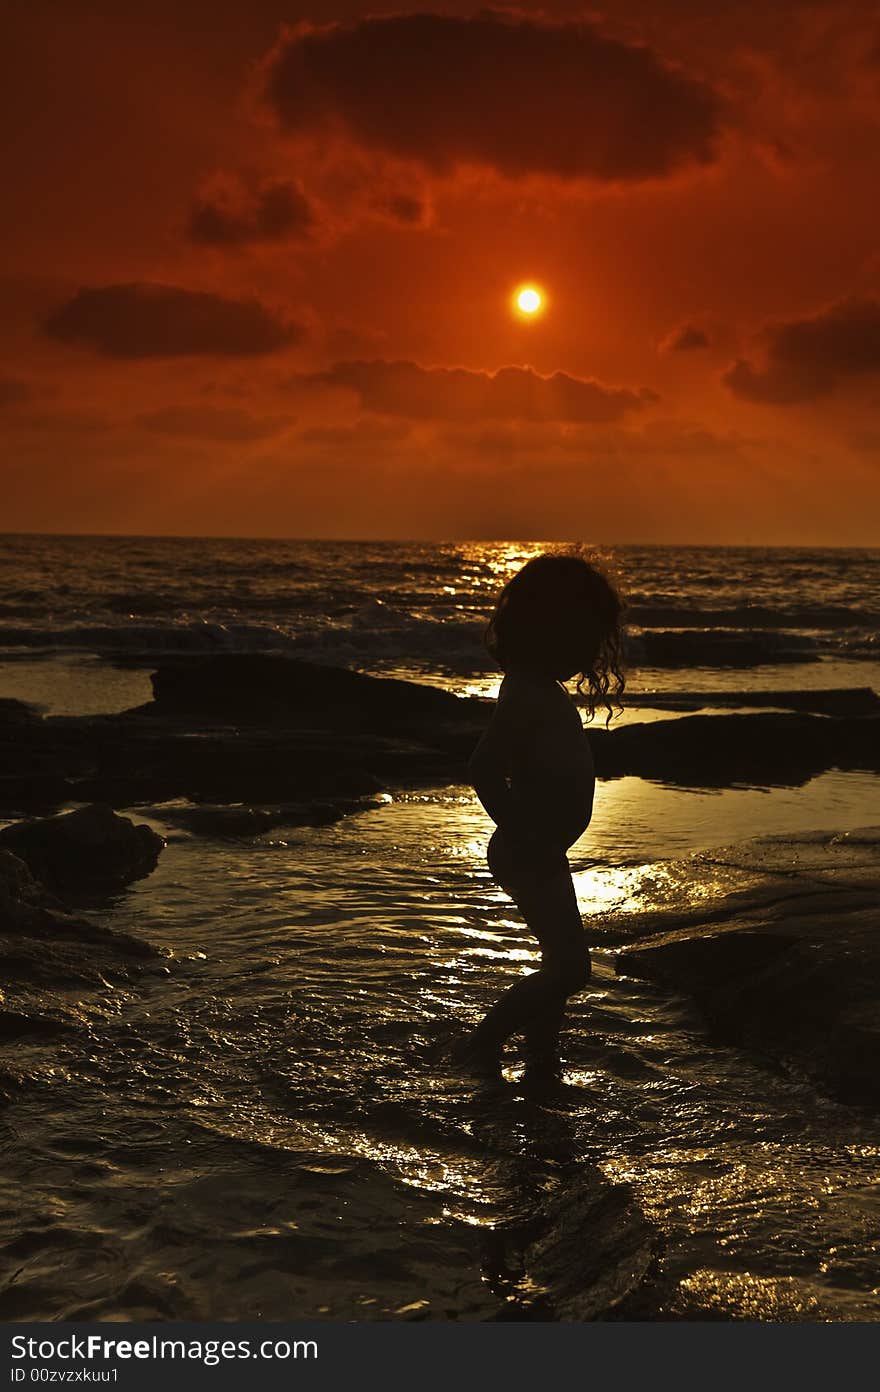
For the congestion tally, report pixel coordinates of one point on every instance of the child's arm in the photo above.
(490, 765)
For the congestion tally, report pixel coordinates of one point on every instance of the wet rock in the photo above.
(770, 748)
(720, 648)
(845, 700)
(29, 910)
(22, 898)
(13, 712)
(242, 821)
(39, 759)
(244, 730)
(35, 793)
(264, 730)
(86, 851)
(764, 748)
(14, 1025)
(784, 958)
(51, 960)
(263, 689)
(594, 1249)
(11, 1086)
(256, 766)
(125, 761)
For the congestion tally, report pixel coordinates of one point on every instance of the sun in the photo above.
(529, 300)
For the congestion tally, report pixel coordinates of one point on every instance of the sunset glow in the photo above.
(298, 297)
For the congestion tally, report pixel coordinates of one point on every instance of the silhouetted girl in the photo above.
(556, 619)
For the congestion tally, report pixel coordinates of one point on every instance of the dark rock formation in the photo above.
(782, 952)
(50, 960)
(844, 700)
(227, 734)
(209, 819)
(766, 749)
(264, 730)
(13, 712)
(593, 1249)
(147, 763)
(261, 689)
(719, 648)
(92, 850)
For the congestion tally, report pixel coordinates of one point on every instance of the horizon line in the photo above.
(446, 541)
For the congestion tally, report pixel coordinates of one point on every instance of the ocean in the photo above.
(263, 1131)
(699, 617)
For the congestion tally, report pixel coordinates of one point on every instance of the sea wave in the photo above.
(377, 632)
(421, 607)
(152, 639)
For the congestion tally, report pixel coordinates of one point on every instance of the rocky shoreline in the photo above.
(777, 939)
(780, 947)
(265, 731)
(58, 967)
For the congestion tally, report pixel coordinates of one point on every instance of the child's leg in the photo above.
(549, 907)
(542, 1038)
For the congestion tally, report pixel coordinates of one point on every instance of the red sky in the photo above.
(259, 262)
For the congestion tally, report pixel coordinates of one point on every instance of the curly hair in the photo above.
(561, 616)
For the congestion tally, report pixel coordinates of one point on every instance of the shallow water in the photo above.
(263, 1132)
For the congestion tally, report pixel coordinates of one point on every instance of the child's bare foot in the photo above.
(541, 1075)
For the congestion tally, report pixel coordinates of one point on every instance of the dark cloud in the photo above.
(227, 214)
(865, 441)
(457, 394)
(518, 95)
(808, 358)
(63, 421)
(406, 208)
(686, 339)
(363, 432)
(15, 392)
(655, 440)
(156, 321)
(211, 423)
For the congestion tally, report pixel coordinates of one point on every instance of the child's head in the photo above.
(561, 617)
